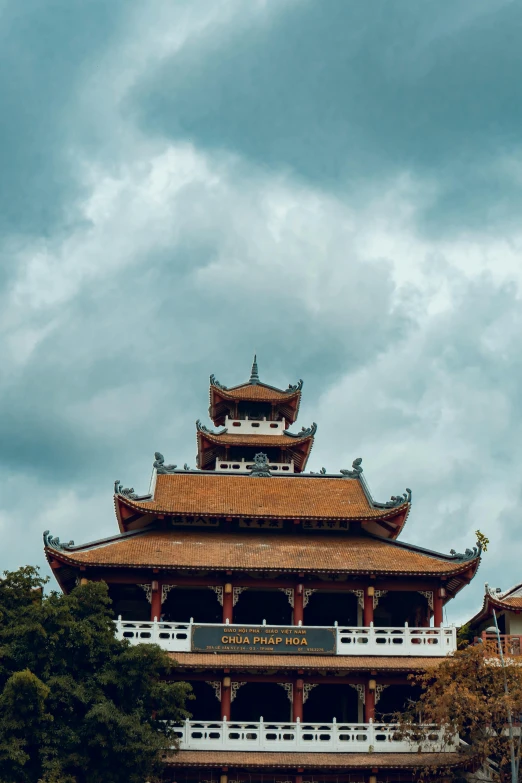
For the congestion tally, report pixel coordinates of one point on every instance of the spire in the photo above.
(254, 375)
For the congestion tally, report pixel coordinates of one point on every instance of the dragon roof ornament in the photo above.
(128, 492)
(53, 542)
(395, 500)
(201, 428)
(159, 464)
(214, 382)
(306, 432)
(469, 554)
(356, 470)
(260, 468)
(294, 387)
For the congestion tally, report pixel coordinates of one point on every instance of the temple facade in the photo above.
(285, 597)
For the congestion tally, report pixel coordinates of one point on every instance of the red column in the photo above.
(437, 609)
(369, 703)
(155, 602)
(368, 607)
(228, 603)
(298, 604)
(225, 698)
(297, 701)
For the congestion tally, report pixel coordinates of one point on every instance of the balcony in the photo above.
(337, 640)
(245, 466)
(306, 737)
(511, 644)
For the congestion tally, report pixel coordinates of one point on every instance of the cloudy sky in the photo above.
(334, 184)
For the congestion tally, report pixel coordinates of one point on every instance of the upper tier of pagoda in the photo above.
(253, 399)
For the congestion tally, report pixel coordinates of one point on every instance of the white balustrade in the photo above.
(400, 641)
(254, 427)
(245, 466)
(307, 737)
(173, 637)
(423, 642)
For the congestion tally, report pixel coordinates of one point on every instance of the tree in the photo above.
(465, 696)
(76, 704)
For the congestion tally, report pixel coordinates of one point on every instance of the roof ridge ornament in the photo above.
(305, 432)
(254, 373)
(201, 428)
(53, 542)
(214, 382)
(159, 464)
(293, 387)
(260, 468)
(395, 501)
(128, 492)
(356, 469)
(469, 554)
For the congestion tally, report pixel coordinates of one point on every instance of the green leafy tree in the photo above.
(76, 704)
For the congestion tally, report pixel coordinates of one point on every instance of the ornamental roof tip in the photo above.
(128, 492)
(254, 372)
(254, 380)
(206, 430)
(53, 542)
(469, 554)
(306, 432)
(159, 464)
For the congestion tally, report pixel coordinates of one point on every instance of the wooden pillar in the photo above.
(228, 603)
(225, 698)
(437, 608)
(297, 700)
(368, 606)
(298, 604)
(369, 701)
(155, 600)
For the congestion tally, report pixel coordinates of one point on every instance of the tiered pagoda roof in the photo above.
(223, 398)
(509, 600)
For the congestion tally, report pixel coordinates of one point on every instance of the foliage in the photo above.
(76, 704)
(465, 695)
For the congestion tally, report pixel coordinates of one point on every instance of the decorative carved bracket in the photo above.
(359, 687)
(218, 589)
(148, 592)
(289, 688)
(378, 691)
(428, 595)
(359, 594)
(307, 594)
(289, 592)
(378, 594)
(165, 590)
(216, 687)
(236, 592)
(307, 687)
(234, 687)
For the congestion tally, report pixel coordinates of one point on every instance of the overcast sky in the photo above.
(334, 184)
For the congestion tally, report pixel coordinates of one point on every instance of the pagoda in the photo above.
(284, 596)
(504, 607)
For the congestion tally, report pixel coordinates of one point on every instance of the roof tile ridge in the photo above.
(452, 558)
(54, 543)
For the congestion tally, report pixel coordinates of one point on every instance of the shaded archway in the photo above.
(327, 608)
(268, 700)
(200, 603)
(398, 607)
(205, 706)
(326, 702)
(129, 601)
(254, 606)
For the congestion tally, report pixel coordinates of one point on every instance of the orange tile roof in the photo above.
(249, 551)
(340, 761)
(253, 392)
(280, 497)
(344, 663)
(229, 438)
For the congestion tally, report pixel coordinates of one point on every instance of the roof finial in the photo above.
(254, 375)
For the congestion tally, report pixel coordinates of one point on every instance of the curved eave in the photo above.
(156, 511)
(488, 604)
(300, 448)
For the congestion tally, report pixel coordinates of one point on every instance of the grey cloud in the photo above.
(348, 97)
